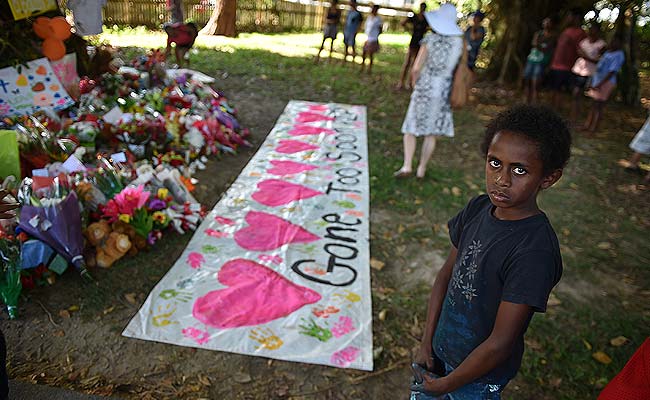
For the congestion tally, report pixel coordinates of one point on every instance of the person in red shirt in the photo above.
(566, 54)
(633, 382)
(183, 35)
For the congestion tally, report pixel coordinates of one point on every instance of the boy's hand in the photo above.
(424, 356)
(426, 382)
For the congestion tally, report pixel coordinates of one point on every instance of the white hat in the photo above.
(443, 20)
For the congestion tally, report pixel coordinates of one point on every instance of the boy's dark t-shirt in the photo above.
(513, 261)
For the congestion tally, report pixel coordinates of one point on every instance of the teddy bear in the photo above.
(139, 242)
(109, 246)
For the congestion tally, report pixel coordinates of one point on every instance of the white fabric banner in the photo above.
(280, 267)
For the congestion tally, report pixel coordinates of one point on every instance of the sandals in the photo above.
(400, 174)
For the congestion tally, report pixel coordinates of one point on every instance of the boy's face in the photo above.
(514, 175)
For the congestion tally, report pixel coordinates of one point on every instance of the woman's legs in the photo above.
(428, 147)
(410, 142)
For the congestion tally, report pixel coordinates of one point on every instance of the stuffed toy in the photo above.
(109, 246)
(139, 242)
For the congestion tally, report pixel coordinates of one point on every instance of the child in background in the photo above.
(641, 146)
(504, 262)
(331, 28)
(373, 29)
(565, 55)
(352, 25)
(540, 55)
(183, 35)
(589, 51)
(603, 82)
(420, 27)
(474, 36)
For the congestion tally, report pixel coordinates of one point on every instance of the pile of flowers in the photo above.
(114, 172)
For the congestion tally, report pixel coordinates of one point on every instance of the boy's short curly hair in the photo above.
(539, 124)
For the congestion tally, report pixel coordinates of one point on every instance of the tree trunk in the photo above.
(222, 21)
(176, 8)
(628, 82)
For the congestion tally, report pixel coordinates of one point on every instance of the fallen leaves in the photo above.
(601, 357)
(130, 297)
(619, 341)
(242, 377)
(377, 264)
(382, 314)
(604, 245)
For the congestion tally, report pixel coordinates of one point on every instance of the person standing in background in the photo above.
(373, 30)
(429, 113)
(565, 55)
(603, 82)
(538, 59)
(331, 28)
(589, 52)
(420, 27)
(352, 25)
(474, 36)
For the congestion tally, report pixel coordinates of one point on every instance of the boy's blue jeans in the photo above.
(472, 391)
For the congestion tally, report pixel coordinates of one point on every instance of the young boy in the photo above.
(184, 36)
(373, 29)
(503, 263)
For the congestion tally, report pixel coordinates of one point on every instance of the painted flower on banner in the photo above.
(195, 260)
(343, 326)
(345, 357)
(197, 335)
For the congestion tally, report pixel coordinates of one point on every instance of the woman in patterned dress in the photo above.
(429, 112)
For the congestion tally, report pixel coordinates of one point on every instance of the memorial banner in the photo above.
(280, 267)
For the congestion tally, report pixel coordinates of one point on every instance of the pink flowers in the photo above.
(126, 202)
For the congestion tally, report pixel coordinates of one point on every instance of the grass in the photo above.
(601, 220)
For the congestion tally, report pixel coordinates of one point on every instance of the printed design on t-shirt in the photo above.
(465, 271)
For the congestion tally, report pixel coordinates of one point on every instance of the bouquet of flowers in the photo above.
(56, 221)
(10, 283)
(129, 206)
(86, 132)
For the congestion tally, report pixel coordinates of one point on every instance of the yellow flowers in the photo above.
(125, 218)
(163, 193)
(159, 216)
